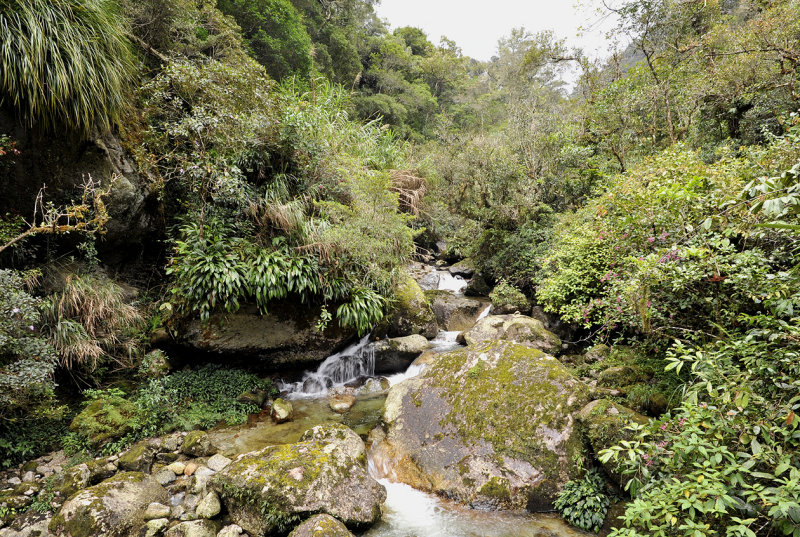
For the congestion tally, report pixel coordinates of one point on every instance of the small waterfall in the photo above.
(448, 282)
(357, 360)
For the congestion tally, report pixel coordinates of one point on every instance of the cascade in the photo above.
(357, 360)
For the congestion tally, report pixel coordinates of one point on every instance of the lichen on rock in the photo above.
(491, 426)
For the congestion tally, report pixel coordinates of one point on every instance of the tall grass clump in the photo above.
(64, 63)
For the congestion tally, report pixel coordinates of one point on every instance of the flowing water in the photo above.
(448, 282)
(407, 512)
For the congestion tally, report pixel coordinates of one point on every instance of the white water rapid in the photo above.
(357, 360)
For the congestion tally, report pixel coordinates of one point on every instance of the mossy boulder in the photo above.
(114, 507)
(597, 353)
(198, 444)
(193, 528)
(490, 426)
(139, 457)
(396, 354)
(82, 475)
(603, 422)
(155, 364)
(411, 313)
(281, 410)
(518, 328)
(321, 526)
(464, 268)
(454, 312)
(271, 490)
(105, 419)
(621, 376)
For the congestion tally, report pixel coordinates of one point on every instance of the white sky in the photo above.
(476, 25)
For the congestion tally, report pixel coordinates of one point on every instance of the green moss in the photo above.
(496, 487)
(105, 419)
(500, 393)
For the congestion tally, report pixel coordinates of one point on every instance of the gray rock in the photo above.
(281, 410)
(341, 403)
(198, 444)
(518, 328)
(156, 527)
(199, 481)
(177, 467)
(193, 528)
(455, 312)
(396, 354)
(287, 335)
(164, 476)
(14, 481)
(230, 531)
(324, 472)
(218, 462)
(156, 510)
(491, 426)
(209, 506)
(28, 477)
(114, 507)
(321, 526)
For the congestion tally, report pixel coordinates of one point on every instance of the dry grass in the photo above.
(91, 320)
(411, 190)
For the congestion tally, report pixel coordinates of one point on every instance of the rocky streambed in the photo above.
(474, 436)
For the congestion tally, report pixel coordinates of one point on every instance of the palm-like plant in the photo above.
(64, 63)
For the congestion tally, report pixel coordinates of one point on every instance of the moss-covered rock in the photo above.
(114, 507)
(271, 490)
(155, 365)
(396, 354)
(282, 410)
(411, 313)
(198, 444)
(621, 376)
(596, 353)
(321, 526)
(454, 312)
(491, 426)
(518, 328)
(139, 457)
(193, 528)
(603, 422)
(105, 419)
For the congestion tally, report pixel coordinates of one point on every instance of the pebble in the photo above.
(15, 481)
(29, 477)
(218, 462)
(230, 531)
(209, 506)
(190, 469)
(156, 511)
(156, 527)
(164, 477)
(177, 468)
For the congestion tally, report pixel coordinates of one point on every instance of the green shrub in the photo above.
(584, 503)
(506, 295)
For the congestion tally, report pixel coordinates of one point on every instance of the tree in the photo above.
(275, 33)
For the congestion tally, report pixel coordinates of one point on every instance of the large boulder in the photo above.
(491, 426)
(604, 424)
(411, 313)
(271, 490)
(114, 507)
(519, 328)
(454, 312)
(287, 336)
(396, 354)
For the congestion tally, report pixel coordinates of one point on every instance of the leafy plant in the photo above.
(584, 503)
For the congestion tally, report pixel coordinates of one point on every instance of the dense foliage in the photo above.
(584, 503)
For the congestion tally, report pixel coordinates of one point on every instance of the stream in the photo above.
(407, 512)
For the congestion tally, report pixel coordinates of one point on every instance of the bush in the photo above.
(584, 503)
(506, 296)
